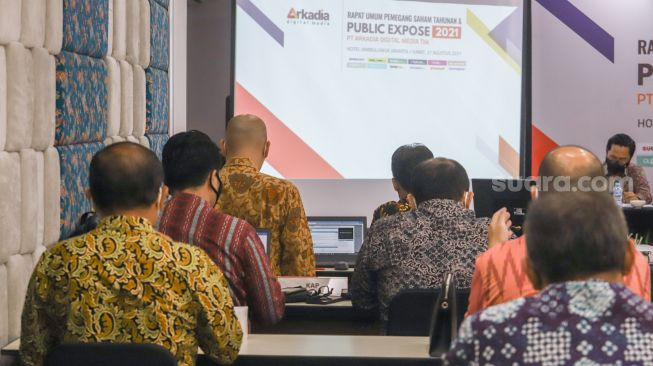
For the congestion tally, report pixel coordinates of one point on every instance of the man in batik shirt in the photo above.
(124, 282)
(416, 249)
(191, 164)
(265, 202)
(404, 160)
(578, 253)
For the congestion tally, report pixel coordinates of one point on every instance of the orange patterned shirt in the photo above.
(270, 203)
(499, 278)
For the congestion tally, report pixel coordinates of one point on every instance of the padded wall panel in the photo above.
(32, 23)
(53, 26)
(140, 102)
(119, 29)
(19, 270)
(20, 97)
(39, 220)
(133, 34)
(164, 3)
(4, 306)
(158, 114)
(159, 37)
(3, 97)
(86, 27)
(82, 99)
(10, 206)
(157, 142)
(144, 53)
(45, 96)
(127, 99)
(52, 196)
(9, 21)
(113, 86)
(143, 140)
(133, 139)
(74, 163)
(40, 249)
(29, 177)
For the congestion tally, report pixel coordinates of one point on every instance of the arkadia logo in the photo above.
(303, 16)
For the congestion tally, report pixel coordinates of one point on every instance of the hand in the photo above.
(499, 230)
(629, 196)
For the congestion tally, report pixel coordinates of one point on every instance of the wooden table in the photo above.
(318, 350)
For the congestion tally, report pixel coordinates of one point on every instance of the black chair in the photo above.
(411, 310)
(110, 354)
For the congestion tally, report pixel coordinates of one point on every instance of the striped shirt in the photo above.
(233, 245)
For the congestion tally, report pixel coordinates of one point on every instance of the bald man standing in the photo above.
(264, 201)
(499, 276)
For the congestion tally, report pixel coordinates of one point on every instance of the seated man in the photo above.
(124, 282)
(404, 160)
(416, 249)
(577, 255)
(191, 164)
(499, 276)
(265, 202)
(618, 163)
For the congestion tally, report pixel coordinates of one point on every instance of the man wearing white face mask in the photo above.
(125, 282)
(417, 248)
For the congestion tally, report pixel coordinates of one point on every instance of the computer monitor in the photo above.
(264, 235)
(492, 194)
(337, 239)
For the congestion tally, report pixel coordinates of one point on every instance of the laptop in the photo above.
(264, 235)
(337, 239)
(492, 194)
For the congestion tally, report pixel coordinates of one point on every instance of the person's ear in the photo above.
(266, 149)
(629, 257)
(163, 196)
(215, 179)
(468, 197)
(412, 202)
(532, 275)
(223, 148)
(395, 185)
(534, 192)
(89, 197)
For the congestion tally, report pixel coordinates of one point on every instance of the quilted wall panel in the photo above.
(9, 205)
(144, 45)
(113, 87)
(3, 98)
(52, 196)
(9, 21)
(74, 164)
(140, 101)
(86, 27)
(19, 270)
(4, 305)
(20, 97)
(158, 115)
(45, 96)
(157, 142)
(133, 35)
(82, 99)
(159, 36)
(30, 205)
(119, 29)
(127, 99)
(54, 26)
(32, 23)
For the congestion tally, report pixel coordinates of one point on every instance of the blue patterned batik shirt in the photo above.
(572, 323)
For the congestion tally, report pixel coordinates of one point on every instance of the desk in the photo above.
(318, 350)
(339, 318)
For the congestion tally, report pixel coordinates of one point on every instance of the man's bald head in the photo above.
(245, 132)
(576, 163)
(125, 176)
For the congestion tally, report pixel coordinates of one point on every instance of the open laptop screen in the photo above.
(337, 239)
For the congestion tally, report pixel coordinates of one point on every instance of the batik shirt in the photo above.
(573, 323)
(270, 203)
(234, 246)
(499, 276)
(126, 283)
(390, 208)
(416, 250)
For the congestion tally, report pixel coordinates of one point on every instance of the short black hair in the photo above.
(621, 139)
(125, 176)
(439, 178)
(575, 234)
(188, 159)
(405, 159)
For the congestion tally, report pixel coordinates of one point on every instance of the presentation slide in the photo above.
(341, 84)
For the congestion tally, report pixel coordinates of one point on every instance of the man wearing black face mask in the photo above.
(619, 153)
(191, 165)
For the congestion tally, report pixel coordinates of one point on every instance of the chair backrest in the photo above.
(110, 354)
(411, 310)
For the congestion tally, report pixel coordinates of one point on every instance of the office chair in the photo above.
(110, 354)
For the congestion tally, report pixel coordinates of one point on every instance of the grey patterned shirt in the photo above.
(416, 249)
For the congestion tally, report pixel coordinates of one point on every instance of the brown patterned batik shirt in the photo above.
(126, 283)
(389, 209)
(270, 203)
